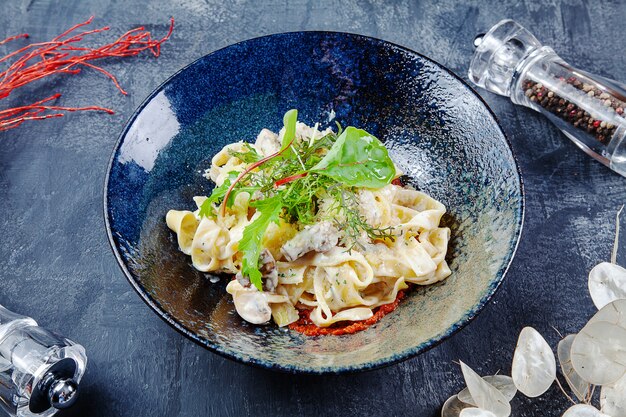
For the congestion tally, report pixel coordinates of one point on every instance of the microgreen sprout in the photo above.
(289, 184)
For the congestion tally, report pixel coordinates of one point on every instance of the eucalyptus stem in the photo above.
(563, 391)
(616, 241)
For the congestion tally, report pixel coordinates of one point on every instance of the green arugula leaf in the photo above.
(289, 120)
(357, 159)
(249, 156)
(206, 209)
(250, 243)
(218, 194)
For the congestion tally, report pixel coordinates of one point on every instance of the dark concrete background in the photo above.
(56, 264)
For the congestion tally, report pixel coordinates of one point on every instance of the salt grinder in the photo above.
(39, 371)
(588, 108)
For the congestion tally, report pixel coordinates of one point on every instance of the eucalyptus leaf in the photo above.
(607, 283)
(613, 398)
(476, 412)
(453, 406)
(534, 366)
(594, 355)
(484, 394)
(577, 384)
(584, 410)
(357, 159)
(503, 383)
(614, 312)
(599, 352)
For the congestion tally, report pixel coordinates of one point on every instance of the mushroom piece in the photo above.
(244, 281)
(267, 142)
(268, 271)
(252, 306)
(320, 237)
(369, 208)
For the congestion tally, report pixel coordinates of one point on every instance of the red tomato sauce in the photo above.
(305, 326)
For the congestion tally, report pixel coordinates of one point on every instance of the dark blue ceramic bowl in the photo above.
(436, 128)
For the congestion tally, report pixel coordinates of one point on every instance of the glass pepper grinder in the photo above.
(39, 370)
(588, 108)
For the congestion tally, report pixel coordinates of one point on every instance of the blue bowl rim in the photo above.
(273, 366)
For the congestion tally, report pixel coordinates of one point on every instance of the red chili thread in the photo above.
(250, 168)
(290, 178)
(62, 55)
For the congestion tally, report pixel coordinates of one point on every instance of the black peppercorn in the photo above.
(601, 129)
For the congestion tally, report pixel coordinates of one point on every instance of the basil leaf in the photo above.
(357, 159)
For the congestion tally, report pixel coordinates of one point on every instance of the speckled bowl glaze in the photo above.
(436, 128)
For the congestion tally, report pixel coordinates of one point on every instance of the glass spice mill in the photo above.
(589, 109)
(39, 370)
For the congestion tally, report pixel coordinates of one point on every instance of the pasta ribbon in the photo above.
(340, 284)
(184, 224)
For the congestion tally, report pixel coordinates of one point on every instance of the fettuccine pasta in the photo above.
(347, 249)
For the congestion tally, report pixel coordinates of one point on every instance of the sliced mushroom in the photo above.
(267, 142)
(320, 237)
(243, 280)
(268, 271)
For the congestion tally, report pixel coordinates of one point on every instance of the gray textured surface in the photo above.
(56, 265)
